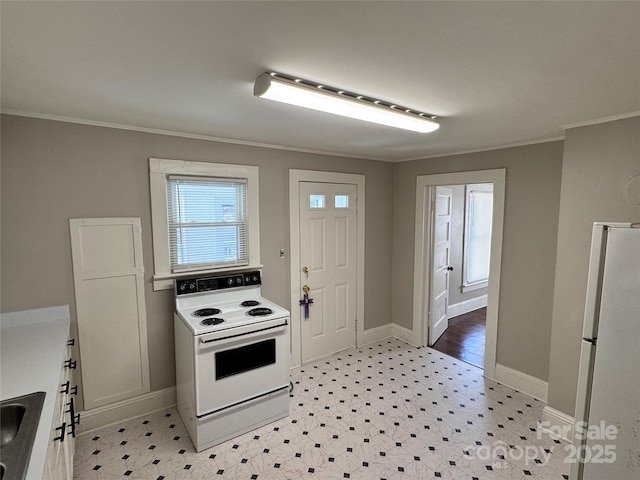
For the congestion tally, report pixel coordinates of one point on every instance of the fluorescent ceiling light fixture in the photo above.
(303, 93)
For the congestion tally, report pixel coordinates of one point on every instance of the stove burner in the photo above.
(211, 321)
(259, 312)
(250, 303)
(206, 312)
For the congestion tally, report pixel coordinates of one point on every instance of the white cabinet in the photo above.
(108, 275)
(59, 461)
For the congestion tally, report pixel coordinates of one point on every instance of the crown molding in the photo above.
(209, 138)
(597, 121)
(171, 133)
(487, 149)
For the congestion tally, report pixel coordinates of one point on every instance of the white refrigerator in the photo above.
(607, 417)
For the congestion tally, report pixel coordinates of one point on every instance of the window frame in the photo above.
(469, 189)
(159, 170)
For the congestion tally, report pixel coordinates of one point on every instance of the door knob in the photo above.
(306, 289)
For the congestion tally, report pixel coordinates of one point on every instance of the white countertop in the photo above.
(32, 349)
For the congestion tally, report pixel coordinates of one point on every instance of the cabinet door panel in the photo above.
(109, 284)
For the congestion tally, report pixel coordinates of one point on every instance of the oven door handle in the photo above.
(226, 337)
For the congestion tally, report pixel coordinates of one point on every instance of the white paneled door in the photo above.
(439, 295)
(112, 327)
(328, 239)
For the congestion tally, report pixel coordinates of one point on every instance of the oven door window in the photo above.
(245, 358)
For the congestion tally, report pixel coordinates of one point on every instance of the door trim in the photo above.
(295, 177)
(422, 249)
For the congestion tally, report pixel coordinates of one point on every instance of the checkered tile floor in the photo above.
(382, 411)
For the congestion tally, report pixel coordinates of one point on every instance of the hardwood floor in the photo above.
(464, 339)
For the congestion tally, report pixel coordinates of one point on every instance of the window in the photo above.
(205, 218)
(477, 235)
(316, 201)
(207, 222)
(341, 201)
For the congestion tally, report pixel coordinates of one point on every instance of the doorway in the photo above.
(460, 262)
(325, 208)
(425, 265)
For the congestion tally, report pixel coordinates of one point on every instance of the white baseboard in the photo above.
(522, 382)
(390, 330)
(375, 334)
(558, 423)
(404, 334)
(466, 306)
(127, 409)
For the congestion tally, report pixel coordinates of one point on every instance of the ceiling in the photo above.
(496, 73)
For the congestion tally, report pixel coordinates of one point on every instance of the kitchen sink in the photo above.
(19, 419)
(12, 416)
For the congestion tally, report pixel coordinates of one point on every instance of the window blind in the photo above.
(207, 220)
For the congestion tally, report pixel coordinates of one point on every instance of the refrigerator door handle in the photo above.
(592, 341)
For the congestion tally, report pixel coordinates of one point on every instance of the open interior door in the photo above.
(440, 268)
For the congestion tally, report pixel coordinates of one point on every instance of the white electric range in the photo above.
(232, 357)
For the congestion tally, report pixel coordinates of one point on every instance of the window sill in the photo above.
(165, 282)
(474, 286)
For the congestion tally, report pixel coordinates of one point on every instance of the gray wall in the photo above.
(600, 182)
(53, 171)
(528, 251)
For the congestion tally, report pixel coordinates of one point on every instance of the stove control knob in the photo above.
(230, 281)
(182, 287)
(255, 278)
(192, 287)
